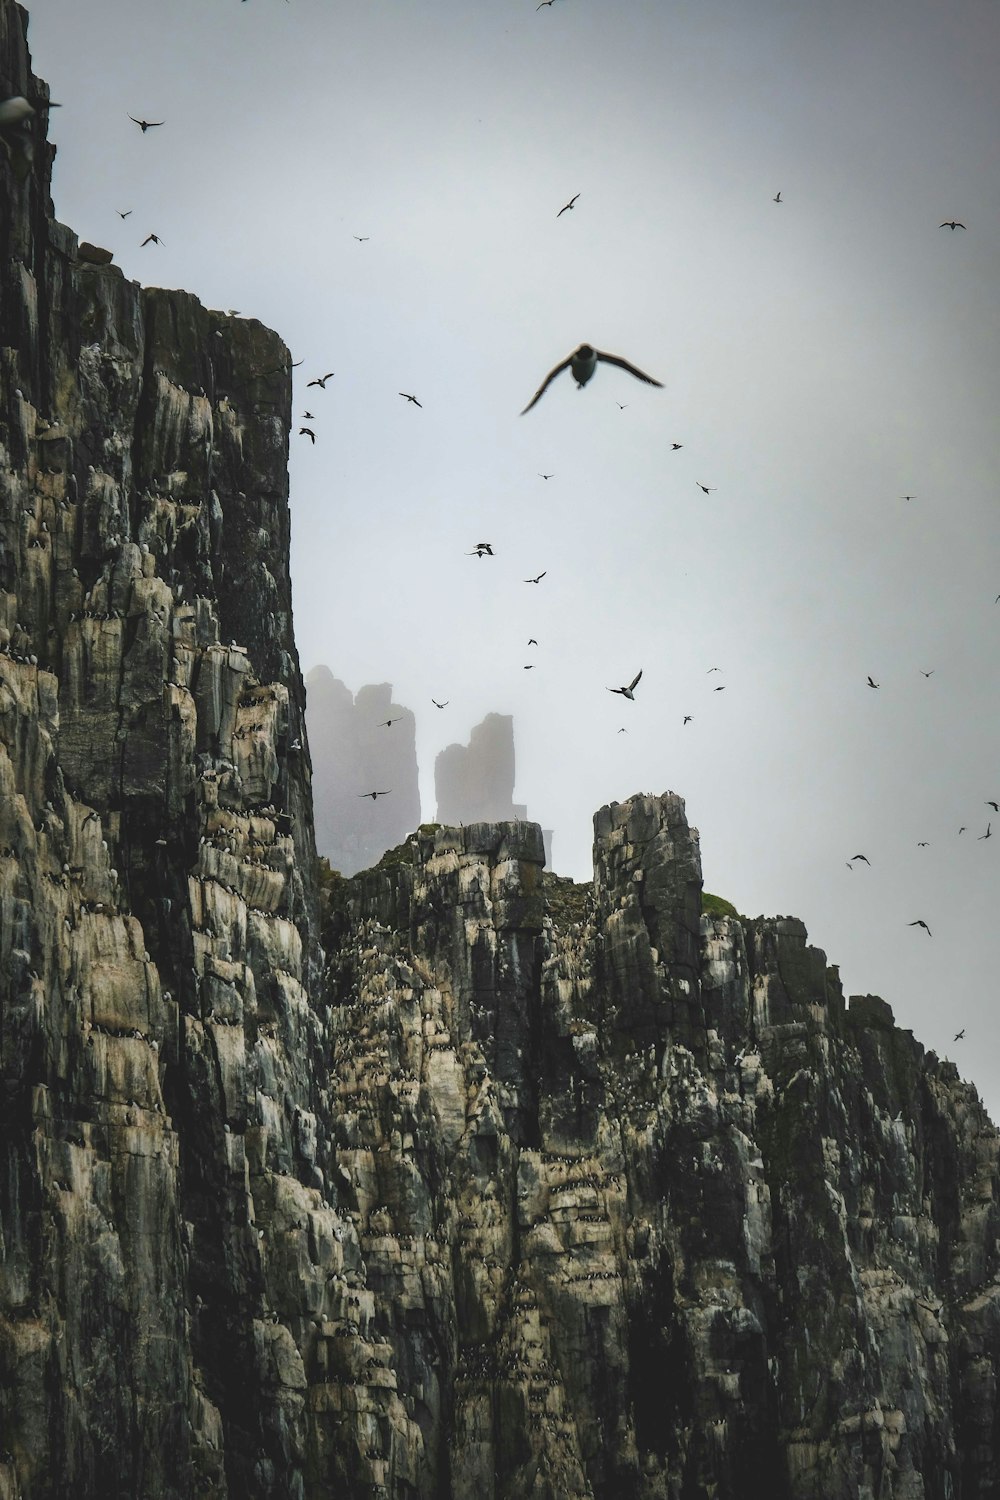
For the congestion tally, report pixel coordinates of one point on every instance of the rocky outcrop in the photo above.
(475, 782)
(452, 1179)
(357, 752)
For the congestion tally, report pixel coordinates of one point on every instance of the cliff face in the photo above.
(475, 782)
(479, 1184)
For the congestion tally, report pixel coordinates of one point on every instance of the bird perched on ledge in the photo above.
(583, 362)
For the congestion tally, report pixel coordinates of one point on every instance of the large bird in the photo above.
(145, 125)
(628, 692)
(583, 362)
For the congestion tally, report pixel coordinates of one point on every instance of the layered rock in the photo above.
(451, 1179)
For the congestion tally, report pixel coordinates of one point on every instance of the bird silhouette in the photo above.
(440, 705)
(538, 579)
(628, 692)
(411, 398)
(675, 446)
(920, 923)
(320, 380)
(862, 856)
(708, 488)
(307, 416)
(952, 224)
(959, 1035)
(481, 549)
(922, 844)
(388, 723)
(987, 834)
(532, 641)
(571, 201)
(361, 238)
(583, 362)
(872, 683)
(121, 214)
(687, 719)
(307, 432)
(373, 795)
(907, 497)
(151, 238)
(145, 125)
(546, 476)
(994, 806)
(926, 674)
(777, 197)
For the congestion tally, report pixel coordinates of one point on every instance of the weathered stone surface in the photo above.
(464, 1181)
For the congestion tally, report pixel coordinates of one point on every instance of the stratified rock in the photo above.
(357, 753)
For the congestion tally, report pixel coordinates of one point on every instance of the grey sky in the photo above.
(822, 357)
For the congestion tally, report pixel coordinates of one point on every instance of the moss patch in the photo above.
(717, 906)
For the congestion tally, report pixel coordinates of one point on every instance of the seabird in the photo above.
(687, 719)
(575, 195)
(708, 488)
(373, 795)
(952, 224)
(546, 476)
(151, 238)
(907, 497)
(873, 684)
(711, 670)
(628, 692)
(481, 549)
(583, 362)
(320, 381)
(307, 416)
(538, 579)
(777, 197)
(145, 125)
(926, 674)
(532, 641)
(362, 237)
(920, 923)
(959, 1035)
(861, 856)
(307, 432)
(17, 109)
(922, 844)
(993, 805)
(440, 705)
(387, 723)
(411, 398)
(675, 446)
(123, 215)
(987, 834)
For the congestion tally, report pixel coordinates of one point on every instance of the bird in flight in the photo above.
(721, 689)
(987, 834)
(154, 238)
(532, 641)
(907, 497)
(307, 416)
(530, 668)
(320, 381)
(124, 215)
(920, 923)
(546, 476)
(993, 805)
(711, 670)
(921, 844)
(145, 125)
(628, 692)
(959, 1035)
(373, 795)
(575, 195)
(583, 362)
(675, 446)
(687, 720)
(440, 705)
(307, 432)
(708, 488)
(926, 674)
(481, 549)
(777, 197)
(871, 683)
(861, 856)
(952, 224)
(538, 579)
(387, 723)
(362, 237)
(412, 398)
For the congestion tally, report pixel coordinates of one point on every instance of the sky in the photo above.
(380, 182)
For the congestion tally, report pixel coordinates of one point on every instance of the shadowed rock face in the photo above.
(355, 752)
(465, 1181)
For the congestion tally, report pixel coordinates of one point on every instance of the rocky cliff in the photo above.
(450, 1180)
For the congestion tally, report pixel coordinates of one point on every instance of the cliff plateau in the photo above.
(449, 1180)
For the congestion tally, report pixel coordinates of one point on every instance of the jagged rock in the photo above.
(475, 782)
(473, 1182)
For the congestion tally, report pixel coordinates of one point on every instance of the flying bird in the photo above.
(721, 689)
(387, 723)
(926, 674)
(708, 488)
(307, 432)
(307, 416)
(530, 667)
(993, 805)
(583, 362)
(154, 238)
(873, 684)
(675, 446)
(145, 125)
(546, 476)
(532, 641)
(373, 795)
(959, 1035)
(440, 705)
(687, 719)
(362, 237)
(907, 497)
(481, 549)
(952, 224)
(922, 844)
(861, 856)
(412, 398)
(628, 692)
(123, 215)
(987, 834)
(920, 923)
(320, 380)
(777, 197)
(538, 579)
(575, 195)
(962, 829)
(711, 670)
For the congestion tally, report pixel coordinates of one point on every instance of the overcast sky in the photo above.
(821, 358)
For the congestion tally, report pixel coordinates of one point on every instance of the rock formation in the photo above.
(453, 1180)
(475, 782)
(355, 753)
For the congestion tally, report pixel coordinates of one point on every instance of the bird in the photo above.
(720, 689)
(481, 549)
(155, 238)
(532, 641)
(711, 670)
(962, 829)
(583, 362)
(920, 923)
(373, 795)
(538, 579)
(544, 3)
(987, 834)
(862, 856)
(708, 488)
(952, 224)
(777, 197)
(993, 805)
(412, 398)
(926, 674)
(628, 692)
(922, 844)
(675, 446)
(307, 416)
(623, 731)
(308, 432)
(575, 195)
(622, 405)
(907, 497)
(546, 476)
(440, 705)
(687, 720)
(387, 723)
(123, 215)
(959, 1035)
(145, 125)
(320, 380)
(529, 668)
(16, 109)
(873, 684)
(362, 237)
